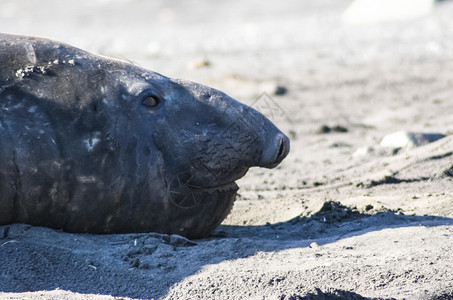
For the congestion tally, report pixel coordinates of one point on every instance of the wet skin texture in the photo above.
(92, 144)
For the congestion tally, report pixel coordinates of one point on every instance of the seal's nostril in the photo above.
(280, 150)
(283, 149)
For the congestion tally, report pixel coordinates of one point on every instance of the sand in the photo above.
(340, 218)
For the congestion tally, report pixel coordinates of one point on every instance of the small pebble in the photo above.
(328, 129)
(280, 90)
(314, 245)
(409, 140)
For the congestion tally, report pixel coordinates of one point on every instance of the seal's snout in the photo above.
(276, 150)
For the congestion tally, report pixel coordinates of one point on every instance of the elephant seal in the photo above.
(91, 144)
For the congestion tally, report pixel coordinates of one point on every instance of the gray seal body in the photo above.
(92, 144)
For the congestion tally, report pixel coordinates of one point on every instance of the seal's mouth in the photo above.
(189, 195)
(222, 187)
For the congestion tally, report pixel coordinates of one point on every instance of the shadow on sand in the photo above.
(148, 265)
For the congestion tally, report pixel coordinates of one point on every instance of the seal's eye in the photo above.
(151, 101)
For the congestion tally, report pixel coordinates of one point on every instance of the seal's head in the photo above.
(101, 145)
(205, 141)
(210, 140)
